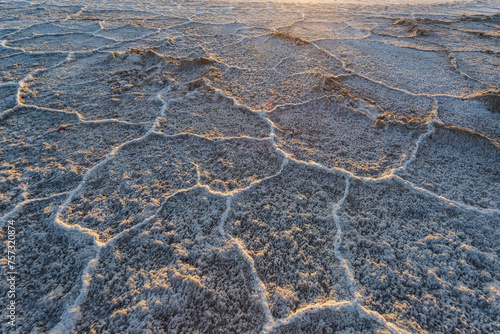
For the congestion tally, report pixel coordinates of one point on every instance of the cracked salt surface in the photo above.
(235, 167)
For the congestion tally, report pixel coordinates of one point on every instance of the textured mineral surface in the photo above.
(250, 167)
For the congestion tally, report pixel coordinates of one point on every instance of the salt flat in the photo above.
(251, 167)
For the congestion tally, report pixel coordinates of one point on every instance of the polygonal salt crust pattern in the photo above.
(281, 51)
(206, 113)
(174, 274)
(186, 70)
(424, 265)
(124, 33)
(218, 15)
(397, 30)
(317, 131)
(161, 22)
(270, 16)
(39, 29)
(88, 26)
(342, 318)
(319, 30)
(209, 31)
(263, 90)
(49, 263)
(478, 26)
(453, 35)
(365, 23)
(397, 67)
(327, 12)
(309, 59)
(229, 165)
(272, 69)
(22, 15)
(251, 32)
(159, 45)
(119, 17)
(131, 186)
(391, 101)
(481, 66)
(459, 165)
(61, 43)
(456, 40)
(407, 42)
(166, 44)
(421, 262)
(37, 160)
(102, 86)
(16, 67)
(289, 232)
(476, 114)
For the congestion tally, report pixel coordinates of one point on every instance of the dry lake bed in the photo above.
(249, 167)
